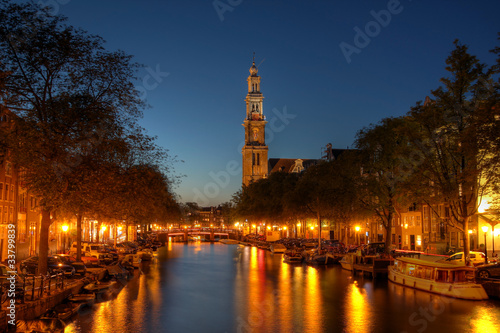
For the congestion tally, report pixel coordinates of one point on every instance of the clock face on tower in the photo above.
(255, 134)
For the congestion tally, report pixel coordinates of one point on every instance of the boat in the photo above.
(62, 311)
(277, 248)
(52, 325)
(347, 261)
(145, 254)
(319, 259)
(118, 271)
(99, 287)
(292, 258)
(438, 278)
(85, 299)
(133, 259)
(229, 241)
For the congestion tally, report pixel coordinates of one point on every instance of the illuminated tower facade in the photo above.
(255, 150)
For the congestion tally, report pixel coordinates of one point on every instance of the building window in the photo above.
(1, 191)
(253, 158)
(258, 159)
(6, 196)
(8, 169)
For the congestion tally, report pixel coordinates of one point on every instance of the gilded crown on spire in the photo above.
(253, 70)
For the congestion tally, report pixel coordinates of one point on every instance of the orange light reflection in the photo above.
(313, 302)
(357, 310)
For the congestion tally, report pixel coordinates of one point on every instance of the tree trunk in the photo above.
(43, 246)
(465, 237)
(387, 227)
(78, 237)
(97, 232)
(319, 229)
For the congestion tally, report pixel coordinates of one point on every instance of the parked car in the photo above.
(79, 266)
(488, 271)
(54, 265)
(476, 258)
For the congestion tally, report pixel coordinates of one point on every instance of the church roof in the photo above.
(287, 164)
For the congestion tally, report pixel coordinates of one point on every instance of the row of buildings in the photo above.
(420, 227)
(19, 211)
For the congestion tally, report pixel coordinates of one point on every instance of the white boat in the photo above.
(347, 261)
(229, 241)
(277, 248)
(444, 279)
(132, 259)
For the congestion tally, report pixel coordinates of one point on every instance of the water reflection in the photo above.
(358, 314)
(229, 288)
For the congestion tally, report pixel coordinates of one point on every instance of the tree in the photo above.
(457, 136)
(383, 152)
(66, 90)
(268, 199)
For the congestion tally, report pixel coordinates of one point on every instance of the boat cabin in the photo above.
(445, 273)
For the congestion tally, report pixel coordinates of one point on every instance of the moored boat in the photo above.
(229, 241)
(99, 287)
(292, 258)
(83, 298)
(444, 279)
(347, 261)
(133, 259)
(62, 311)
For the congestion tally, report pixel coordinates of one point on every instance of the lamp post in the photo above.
(485, 229)
(492, 240)
(65, 230)
(357, 236)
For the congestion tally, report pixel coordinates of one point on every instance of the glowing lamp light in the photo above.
(268, 228)
(312, 228)
(65, 228)
(497, 232)
(284, 228)
(298, 224)
(406, 226)
(470, 231)
(484, 228)
(103, 228)
(357, 228)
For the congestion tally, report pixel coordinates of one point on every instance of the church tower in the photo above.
(255, 150)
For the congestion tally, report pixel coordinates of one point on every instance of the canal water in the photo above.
(203, 287)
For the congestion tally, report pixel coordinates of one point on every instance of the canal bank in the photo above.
(37, 303)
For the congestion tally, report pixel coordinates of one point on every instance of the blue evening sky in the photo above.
(197, 58)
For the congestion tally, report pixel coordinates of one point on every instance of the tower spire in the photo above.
(255, 150)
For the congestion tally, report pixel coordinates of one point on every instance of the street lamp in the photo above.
(103, 229)
(485, 230)
(357, 236)
(64, 228)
